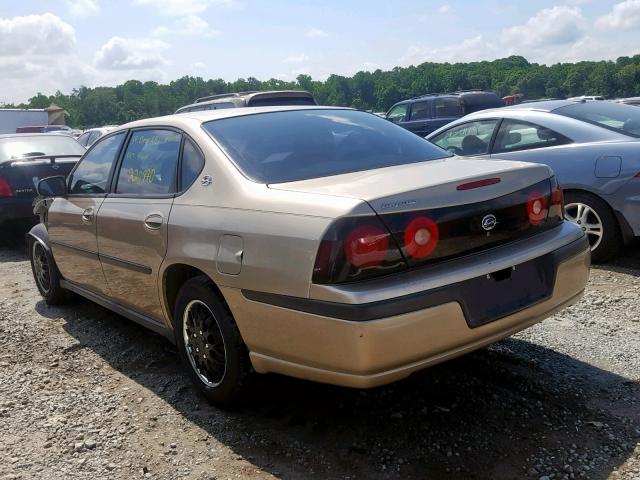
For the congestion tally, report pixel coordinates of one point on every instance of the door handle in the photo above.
(153, 221)
(87, 215)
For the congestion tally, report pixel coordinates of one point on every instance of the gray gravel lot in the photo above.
(85, 393)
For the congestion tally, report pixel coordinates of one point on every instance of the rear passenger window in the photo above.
(448, 107)
(470, 138)
(420, 111)
(192, 163)
(515, 135)
(150, 163)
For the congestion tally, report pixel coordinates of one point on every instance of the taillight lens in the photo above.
(355, 249)
(537, 207)
(366, 246)
(556, 209)
(421, 237)
(5, 188)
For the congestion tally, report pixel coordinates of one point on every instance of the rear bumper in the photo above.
(16, 208)
(324, 348)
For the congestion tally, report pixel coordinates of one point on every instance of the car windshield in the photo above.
(24, 146)
(278, 147)
(613, 116)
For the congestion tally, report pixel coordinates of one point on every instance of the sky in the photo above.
(60, 45)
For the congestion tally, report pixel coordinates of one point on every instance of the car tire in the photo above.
(46, 274)
(582, 205)
(206, 335)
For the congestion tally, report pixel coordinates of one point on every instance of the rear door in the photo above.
(72, 220)
(419, 115)
(445, 111)
(132, 222)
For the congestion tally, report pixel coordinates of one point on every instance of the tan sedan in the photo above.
(317, 242)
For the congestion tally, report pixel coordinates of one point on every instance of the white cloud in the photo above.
(470, 49)
(82, 8)
(316, 33)
(624, 15)
(181, 7)
(38, 53)
(446, 8)
(36, 34)
(131, 54)
(191, 25)
(296, 58)
(559, 25)
(198, 66)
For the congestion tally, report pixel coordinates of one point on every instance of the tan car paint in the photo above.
(280, 229)
(368, 354)
(134, 230)
(72, 223)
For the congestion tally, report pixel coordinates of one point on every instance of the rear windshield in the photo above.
(281, 147)
(613, 116)
(13, 148)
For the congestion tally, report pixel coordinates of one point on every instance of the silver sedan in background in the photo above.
(593, 147)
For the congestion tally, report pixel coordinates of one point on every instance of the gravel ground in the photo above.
(85, 393)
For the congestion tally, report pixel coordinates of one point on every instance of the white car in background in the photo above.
(92, 134)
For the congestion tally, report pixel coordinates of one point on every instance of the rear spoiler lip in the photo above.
(28, 160)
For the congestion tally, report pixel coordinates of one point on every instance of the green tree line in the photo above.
(378, 90)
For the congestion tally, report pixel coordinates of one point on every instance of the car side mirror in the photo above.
(52, 186)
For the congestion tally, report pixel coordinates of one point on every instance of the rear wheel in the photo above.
(598, 221)
(209, 342)
(46, 274)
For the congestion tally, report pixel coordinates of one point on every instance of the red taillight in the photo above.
(638, 174)
(536, 208)
(366, 246)
(356, 248)
(556, 208)
(5, 188)
(478, 183)
(421, 237)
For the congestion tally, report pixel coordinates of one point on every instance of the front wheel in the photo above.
(209, 342)
(46, 274)
(598, 221)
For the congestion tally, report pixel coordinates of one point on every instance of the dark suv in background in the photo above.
(425, 114)
(250, 99)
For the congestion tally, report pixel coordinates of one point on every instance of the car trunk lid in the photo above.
(425, 185)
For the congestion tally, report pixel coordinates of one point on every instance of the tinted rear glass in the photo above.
(613, 116)
(281, 147)
(17, 147)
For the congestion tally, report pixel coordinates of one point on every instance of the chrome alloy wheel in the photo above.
(204, 343)
(588, 219)
(41, 267)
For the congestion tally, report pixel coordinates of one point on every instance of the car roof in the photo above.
(27, 135)
(254, 93)
(426, 97)
(240, 99)
(542, 106)
(207, 115)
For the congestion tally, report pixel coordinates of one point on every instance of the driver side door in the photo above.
(71, 220)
